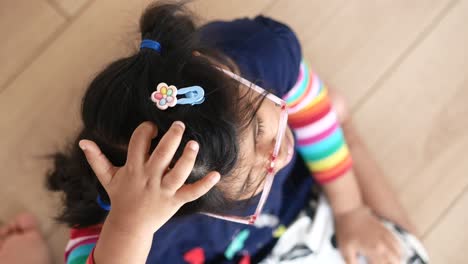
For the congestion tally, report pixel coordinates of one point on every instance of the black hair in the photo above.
(118, 100)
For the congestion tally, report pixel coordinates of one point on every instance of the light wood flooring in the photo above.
(403, 65)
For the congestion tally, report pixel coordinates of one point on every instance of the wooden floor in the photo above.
(402, 64)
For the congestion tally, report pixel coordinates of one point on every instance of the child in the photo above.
(233, 132)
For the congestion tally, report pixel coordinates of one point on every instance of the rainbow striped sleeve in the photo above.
(80, 248)
(321, 141)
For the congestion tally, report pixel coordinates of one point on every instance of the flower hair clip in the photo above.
(165, 96)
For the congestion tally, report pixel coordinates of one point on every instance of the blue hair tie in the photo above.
(150, 44)
(102, 204)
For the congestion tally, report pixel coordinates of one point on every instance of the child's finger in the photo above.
(349, 254)
(381, 254)
(101, 166)
(191, 192)
(393, 245)
(164, 152)
(378, 258)
(176, 178)
(140, 143)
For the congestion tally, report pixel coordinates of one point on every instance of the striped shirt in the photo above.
(81, 245)
(320, 138)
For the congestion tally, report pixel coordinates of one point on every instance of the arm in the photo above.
(344, 194)
(322, 145)
(142, 199)
(376, 191)
(321, 141)
(113, 239)
(121, 242)
(375, 188)
(81, 244)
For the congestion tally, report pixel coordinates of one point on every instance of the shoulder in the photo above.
(267, 51)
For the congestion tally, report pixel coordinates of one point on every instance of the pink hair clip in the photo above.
(166, 96)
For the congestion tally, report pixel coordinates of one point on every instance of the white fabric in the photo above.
(309, 241)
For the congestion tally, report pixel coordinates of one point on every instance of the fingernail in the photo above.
(215, 178)
(179, 123)
(193, 145)
(82, 146)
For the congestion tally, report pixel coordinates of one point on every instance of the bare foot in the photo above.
(21, 242)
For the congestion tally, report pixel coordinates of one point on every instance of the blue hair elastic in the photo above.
(102, 204)
(150, 44)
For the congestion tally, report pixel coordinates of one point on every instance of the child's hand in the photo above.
(142, 194)
(359, 231)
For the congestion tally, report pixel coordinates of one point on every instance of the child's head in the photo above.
(118, 100)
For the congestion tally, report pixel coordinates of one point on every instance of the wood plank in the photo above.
(70, 7)
(448, 241)
(26, 26)
(307, 17)
(57, 241)
(428, 190)
(42, 104)
(430, 135)
(10, 209)
(215, 9)
(26, 193)
(413, 122)
(39, 110)
(353, 43)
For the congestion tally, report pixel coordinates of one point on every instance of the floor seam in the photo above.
(59, 9)
(268, 6)
(444, 213)
(43, 47)
(425, 33)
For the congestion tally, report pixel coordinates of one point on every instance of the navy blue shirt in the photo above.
(268, 53)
